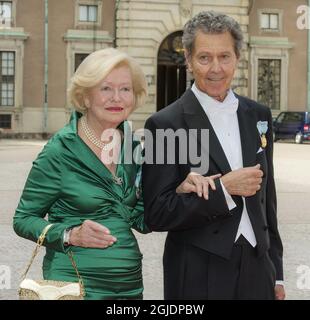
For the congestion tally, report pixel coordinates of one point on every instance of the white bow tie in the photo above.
(227, 107)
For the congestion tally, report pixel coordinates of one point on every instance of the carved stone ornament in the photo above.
(186, 8)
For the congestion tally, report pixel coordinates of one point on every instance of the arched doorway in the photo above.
(171, 70)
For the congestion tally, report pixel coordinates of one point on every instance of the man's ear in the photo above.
(188, 60)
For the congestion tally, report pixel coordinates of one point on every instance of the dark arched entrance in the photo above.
(171, 70)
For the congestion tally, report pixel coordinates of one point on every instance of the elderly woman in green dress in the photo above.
(91, 202)
(89, 192)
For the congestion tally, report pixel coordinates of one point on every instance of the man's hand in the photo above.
(91, 235)
(195, 182)
(279, 292)
(243, 182)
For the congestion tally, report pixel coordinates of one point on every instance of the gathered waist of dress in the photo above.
(100, 215)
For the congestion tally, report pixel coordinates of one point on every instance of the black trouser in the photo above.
(192, 273)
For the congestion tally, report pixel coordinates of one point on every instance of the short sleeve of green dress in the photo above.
(70, 184)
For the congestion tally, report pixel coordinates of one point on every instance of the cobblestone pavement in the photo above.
(293, 186)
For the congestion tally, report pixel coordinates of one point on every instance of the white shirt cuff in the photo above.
(280, 282)
(230, 202)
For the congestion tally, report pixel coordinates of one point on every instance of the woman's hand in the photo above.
(91, 235)
(195, 182)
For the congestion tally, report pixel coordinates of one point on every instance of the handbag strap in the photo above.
(70, 254)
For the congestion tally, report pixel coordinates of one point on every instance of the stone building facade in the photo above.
(43, 41)
(278, 61)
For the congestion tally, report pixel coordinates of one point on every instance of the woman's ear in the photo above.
(86, 102)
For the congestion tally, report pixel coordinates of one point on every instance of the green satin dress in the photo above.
(70, 184)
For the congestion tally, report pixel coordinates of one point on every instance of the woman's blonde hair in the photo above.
(96, 67)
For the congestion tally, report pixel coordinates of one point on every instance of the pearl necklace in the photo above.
(92, 137)
(98, 143)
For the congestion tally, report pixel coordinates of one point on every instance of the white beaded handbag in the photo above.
(49, 289)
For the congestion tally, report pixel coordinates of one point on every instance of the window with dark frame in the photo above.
(269, 83)
(7, 78)
(88, 13)
(5, 121)
(270, 21)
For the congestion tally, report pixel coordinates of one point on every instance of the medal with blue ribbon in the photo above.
(262, 127)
